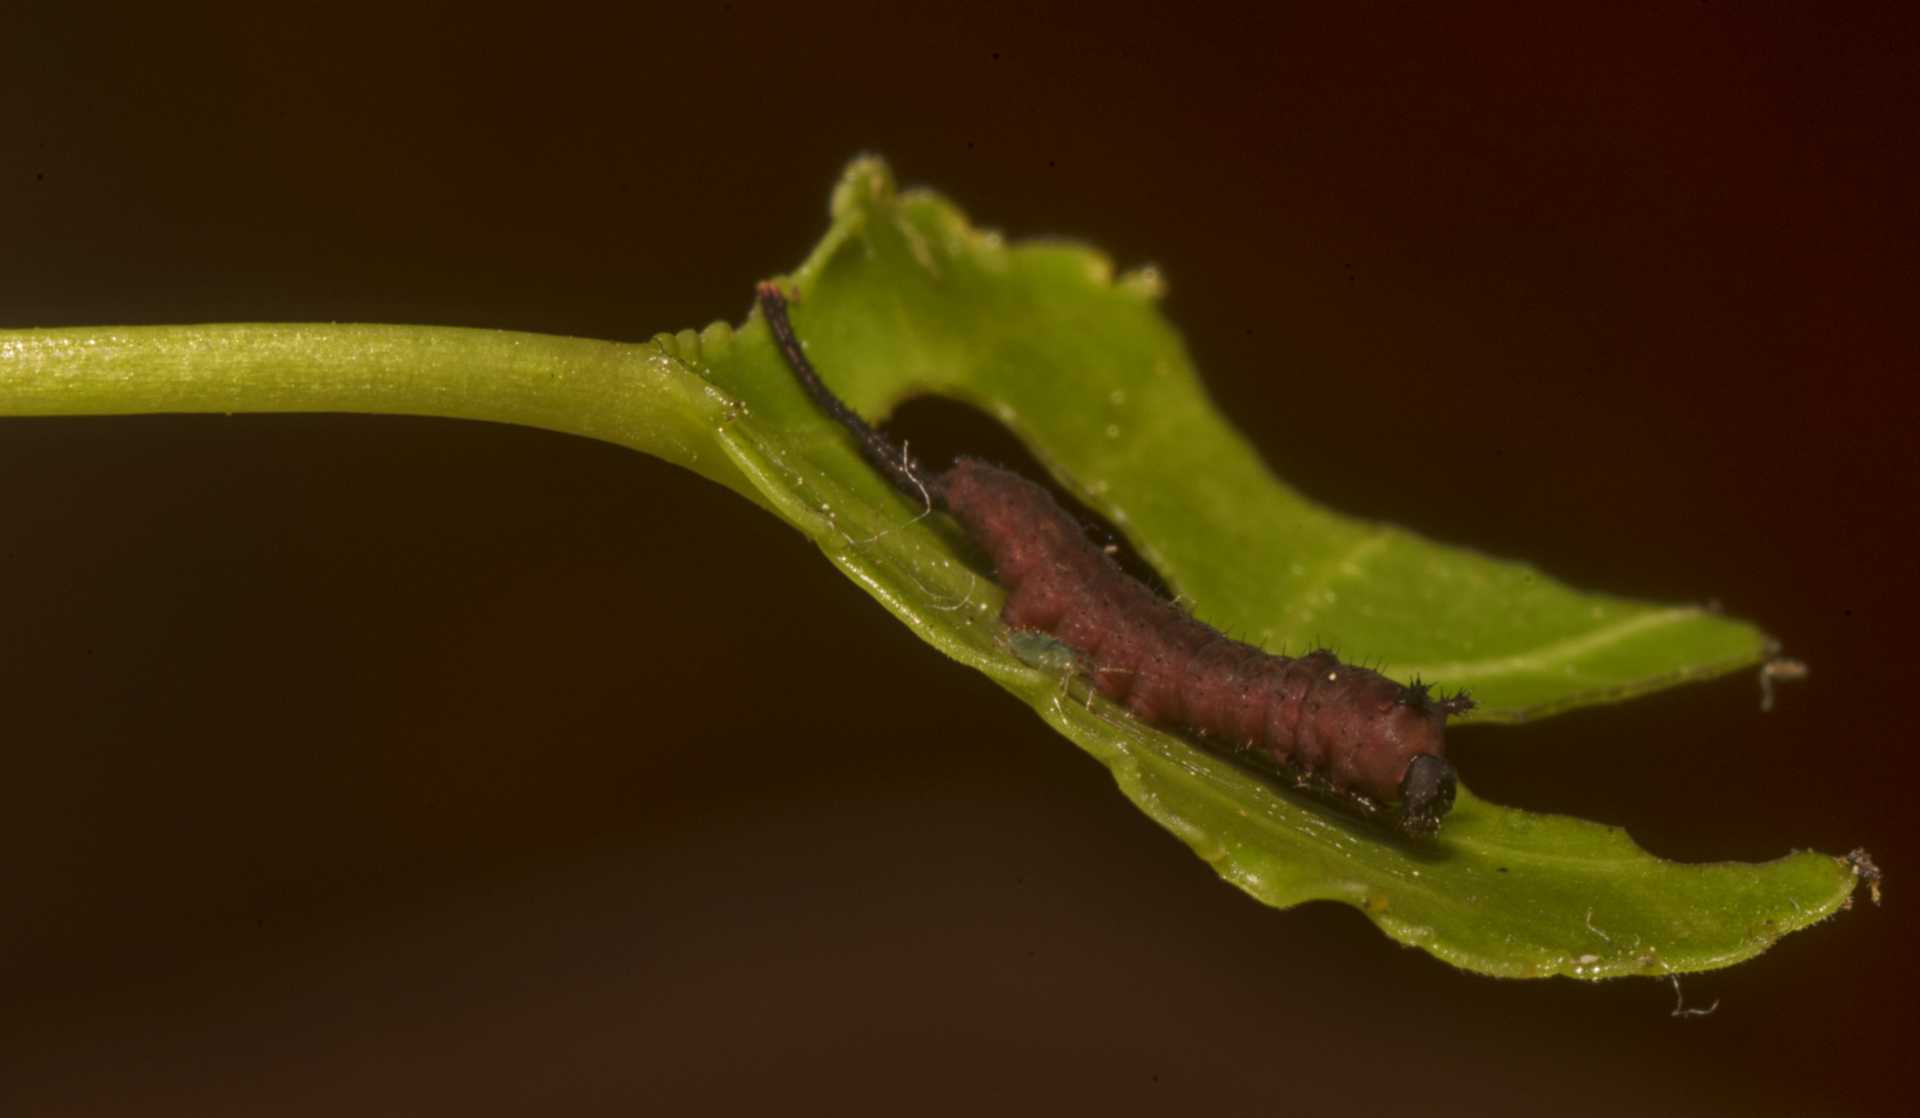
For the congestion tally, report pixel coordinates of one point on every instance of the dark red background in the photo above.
(359, 765)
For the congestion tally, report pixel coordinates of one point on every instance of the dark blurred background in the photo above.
(367, 765)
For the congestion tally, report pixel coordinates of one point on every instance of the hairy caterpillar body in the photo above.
(1346, 733)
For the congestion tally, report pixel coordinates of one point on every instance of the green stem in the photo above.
(636, 395)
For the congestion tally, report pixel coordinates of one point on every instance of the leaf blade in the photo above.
(904, 297)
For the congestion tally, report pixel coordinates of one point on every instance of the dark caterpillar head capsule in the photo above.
(1426, 794)
(1380, 744)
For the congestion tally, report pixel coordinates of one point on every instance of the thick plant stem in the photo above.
(634, 395)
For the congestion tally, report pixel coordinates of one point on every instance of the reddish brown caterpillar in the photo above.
(1345, 733)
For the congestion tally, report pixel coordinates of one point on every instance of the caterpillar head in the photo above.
(1426, 794)
(1428, 784)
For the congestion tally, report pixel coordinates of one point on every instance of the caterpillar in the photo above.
(1344, 733)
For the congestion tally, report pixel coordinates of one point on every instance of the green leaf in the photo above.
(904, 296)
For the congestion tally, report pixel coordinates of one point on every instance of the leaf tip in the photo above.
(865, 184)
